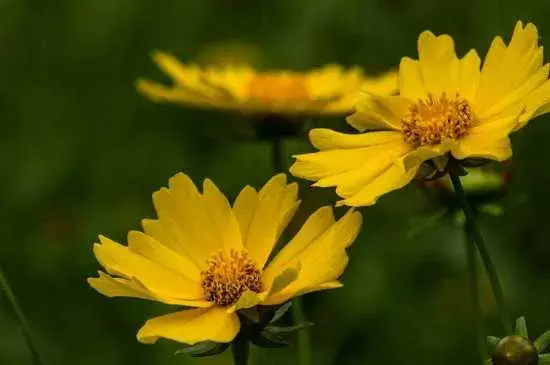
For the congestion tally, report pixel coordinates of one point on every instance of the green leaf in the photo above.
(280, 312)
(285, 331)
(544, 359)
(202, 349)
(268, 340)
(542, 342)
(521, 327)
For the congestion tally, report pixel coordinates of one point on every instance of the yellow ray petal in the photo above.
(376, 112)
(469, 75)
(263, 229)
(183, 214)
(192, 326)
(327, 139)
(438, 64)
(324, 259)
(160, 93)
(506, 68)
(289, 206)
(393, 178)
(511, 103)
(349, 169)
(314, 226)
(151, 249)
(118, 287)
(244, 207)
(537, 103)
(318, 165)
(222, 217)
(119, 260)
(492, 149)
(411, 84)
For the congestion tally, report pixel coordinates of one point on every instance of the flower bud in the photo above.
(515, 350)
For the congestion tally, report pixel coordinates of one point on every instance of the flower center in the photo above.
(430, 121)
(226, 277)
(277, 88)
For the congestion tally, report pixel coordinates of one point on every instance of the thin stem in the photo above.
(23, 324)
(277, 154)
(304, 347)
(474, 294)
(240, 350)
(297, 308)
(475, 235)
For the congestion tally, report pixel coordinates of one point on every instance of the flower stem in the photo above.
(277, 159)
(474, 295)
(240, 349)
(303, 335)
(23, 324)
(477, 238)
(297, 309)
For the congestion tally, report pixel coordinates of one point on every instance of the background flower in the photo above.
(327, 90)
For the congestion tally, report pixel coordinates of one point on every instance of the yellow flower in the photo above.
(328, 90)
(446, 107)
(206, 254)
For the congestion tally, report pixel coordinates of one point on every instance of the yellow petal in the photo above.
(469, 75)
(512, 103)
(265, 225)
(192, 326)
(118, 287)
(323, 260)
(162, 282)
(222, 217)
(314, 226)
(411, 84)
(151, 249)
(160, 93)
(318, 165)
(183, 214)
(392, 178)
(537, 103)
(507, 68)
(327, 139)
(497, 150)
(289, 206)
(248, 299)
(497, 128)
(438, 63)
(377, 112)
(244, 209)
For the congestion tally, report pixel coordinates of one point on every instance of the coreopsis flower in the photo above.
(214, 258)
(327, 90)
(447, 107)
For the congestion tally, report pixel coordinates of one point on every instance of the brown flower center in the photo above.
(278, 88)
(432, 120)
(227, 276)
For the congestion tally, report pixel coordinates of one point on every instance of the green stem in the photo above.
(474, 295)
(240, 349)
(304, 348)
(277, 155)
(297, 309)
(23, 324)
(475, 235)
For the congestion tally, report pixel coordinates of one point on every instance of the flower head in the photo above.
(446, 107)
(328, 90)
(203, 253)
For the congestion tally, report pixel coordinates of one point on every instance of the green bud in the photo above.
(515, 350)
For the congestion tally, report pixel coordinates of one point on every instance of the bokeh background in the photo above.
(81, 152)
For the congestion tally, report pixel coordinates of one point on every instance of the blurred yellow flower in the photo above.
(328, 90)
(446, 107)
(206, 254)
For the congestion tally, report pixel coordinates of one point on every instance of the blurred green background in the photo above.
(81, 153)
